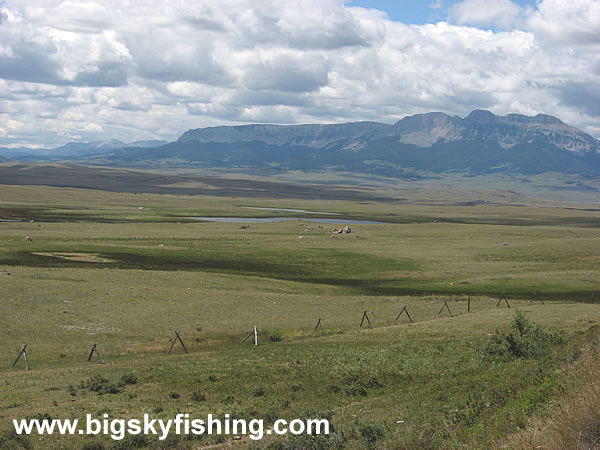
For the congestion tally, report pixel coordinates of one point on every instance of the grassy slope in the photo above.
(214, 281)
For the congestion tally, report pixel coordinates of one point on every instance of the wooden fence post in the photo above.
(505, 300)
(537, 297)
(23, 352)
(95, 350)
(365, 316)
(445, 306)
(404, 310)
(177, 338)
(253, 331)
(319, 325)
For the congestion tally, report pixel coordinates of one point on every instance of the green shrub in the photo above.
(13, 440)
(522, 339)
(228, 400)
(174, 395)
(101, 385)
(198, 397)
(359, 385)
(132, 441)
(128, 378)
(258, 392)
(371, 432)
(333, 441)
(41, 416)
(275, 337)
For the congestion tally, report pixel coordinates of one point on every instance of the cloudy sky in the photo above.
(148, 69)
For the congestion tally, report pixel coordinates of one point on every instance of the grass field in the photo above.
(124, 271)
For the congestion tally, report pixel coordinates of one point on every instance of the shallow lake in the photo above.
(292, 210)
(281, 219)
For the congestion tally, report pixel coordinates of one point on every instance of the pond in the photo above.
(281, 219)
(292, 210)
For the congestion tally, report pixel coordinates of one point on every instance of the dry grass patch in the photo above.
(574, 421)
(76, 256)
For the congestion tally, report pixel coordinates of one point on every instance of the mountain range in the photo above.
(479, 143)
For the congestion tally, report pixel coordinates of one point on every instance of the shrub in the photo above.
(174, 394)
(128, 378)
(358, 385)
(101, 385)
(523, 339)
(228, 400)
(316, 414)
(333, 441)
(355, 390)
(371, 432)
(41, 417)
(374, 383)
(275, 338)
(132, 441)
(12, 440)
(258, 392)
(198, 397)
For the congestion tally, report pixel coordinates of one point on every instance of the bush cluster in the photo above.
(102, 385)
(522, 339)
(357, 385)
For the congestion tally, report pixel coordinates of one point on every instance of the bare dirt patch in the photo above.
(72, 256)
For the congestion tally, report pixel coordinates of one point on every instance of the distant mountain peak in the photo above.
(422, 130)
(481, 115)
(544, 118)
(481, 142)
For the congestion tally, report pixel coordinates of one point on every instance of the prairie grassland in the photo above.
(124, 271)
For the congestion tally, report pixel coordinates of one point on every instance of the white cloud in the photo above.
(501, 13)
(149, 69)
(567, 22)
(93, 127)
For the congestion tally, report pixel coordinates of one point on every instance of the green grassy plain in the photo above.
(124, 271)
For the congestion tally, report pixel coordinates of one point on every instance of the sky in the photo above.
(97, 70)
(424, 11)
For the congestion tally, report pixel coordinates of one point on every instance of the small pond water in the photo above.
(281, 219)
(292, 210)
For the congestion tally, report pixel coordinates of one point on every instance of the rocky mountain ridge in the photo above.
(479, 143)
(422, 130)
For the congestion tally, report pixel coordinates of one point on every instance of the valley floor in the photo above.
(124, 271)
